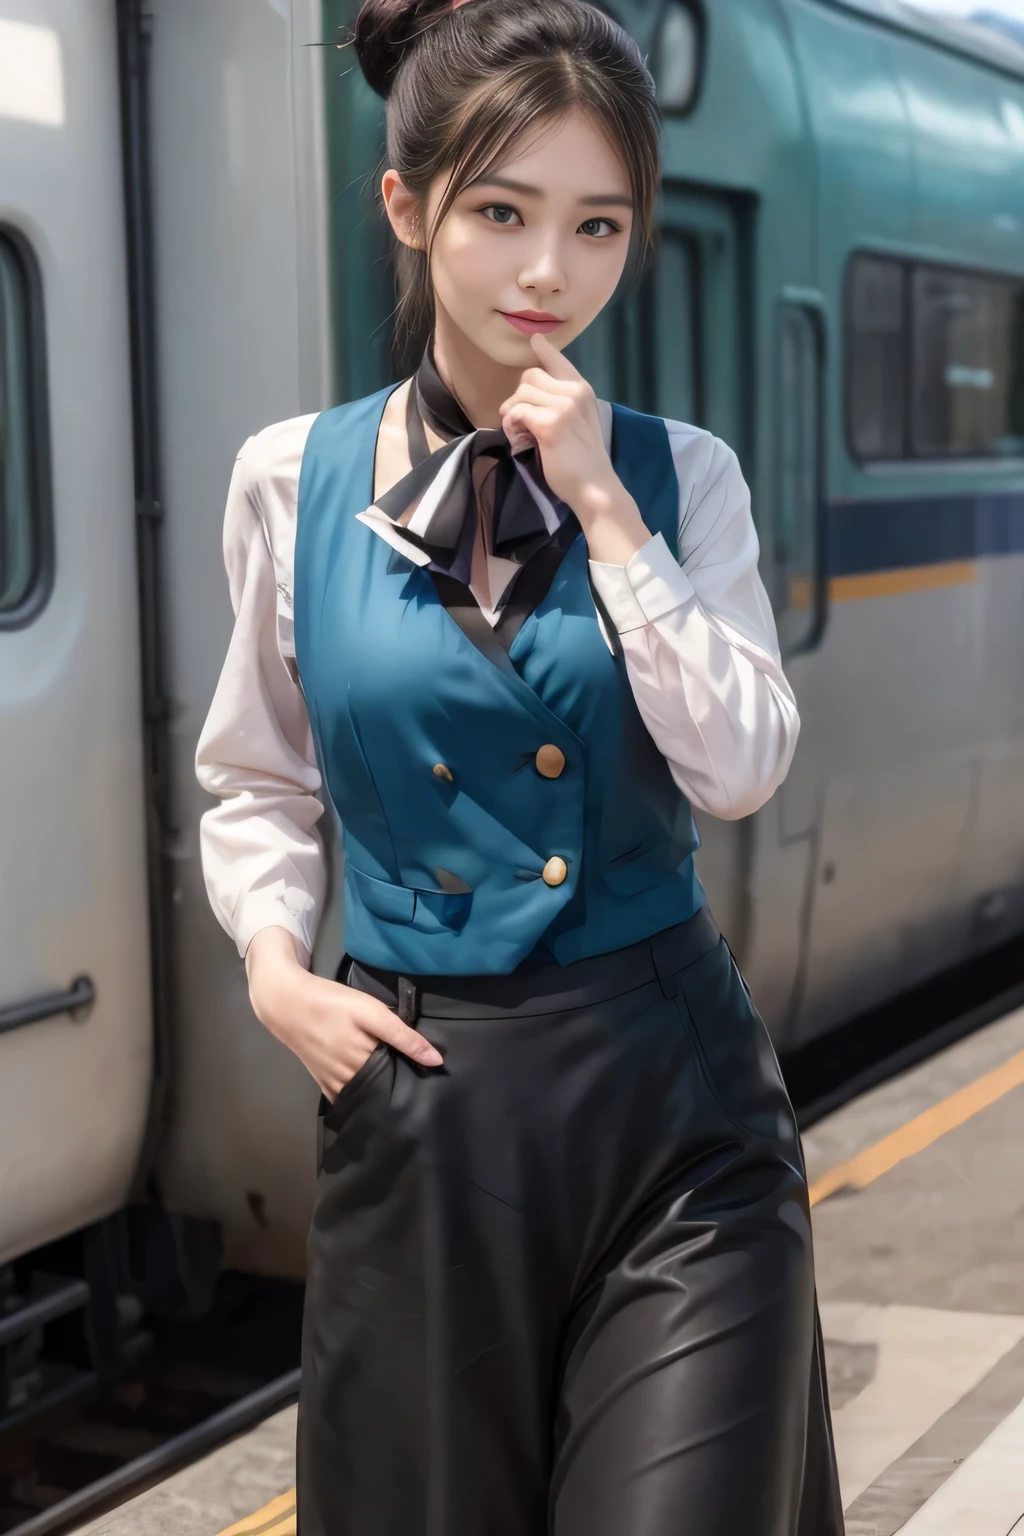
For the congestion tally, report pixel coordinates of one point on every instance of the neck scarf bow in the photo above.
(475, 478)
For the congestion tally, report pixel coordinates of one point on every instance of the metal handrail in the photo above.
(58, 1299)
(77, 1000)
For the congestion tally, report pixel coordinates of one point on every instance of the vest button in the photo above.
(441, 771)
(554, 871)
(550, 761)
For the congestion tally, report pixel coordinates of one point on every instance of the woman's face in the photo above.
(546, 232)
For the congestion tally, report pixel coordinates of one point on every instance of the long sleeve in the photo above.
(699, 639)
(262, 857)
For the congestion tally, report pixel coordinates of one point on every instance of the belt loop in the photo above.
(666, 978)
(408, 1001)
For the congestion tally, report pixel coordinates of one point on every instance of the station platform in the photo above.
(918, 1203)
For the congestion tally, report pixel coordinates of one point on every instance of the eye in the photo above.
(502, 214)
(591, 227)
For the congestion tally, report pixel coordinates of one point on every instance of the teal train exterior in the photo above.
(839, 293)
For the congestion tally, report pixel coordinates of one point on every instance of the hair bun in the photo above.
(383, 31)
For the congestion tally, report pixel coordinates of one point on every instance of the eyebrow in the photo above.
(596, 200)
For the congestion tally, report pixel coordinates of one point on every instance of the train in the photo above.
(190, 249)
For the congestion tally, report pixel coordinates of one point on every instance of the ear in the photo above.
(403, 210)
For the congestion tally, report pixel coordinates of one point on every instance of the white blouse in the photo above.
(698, 638)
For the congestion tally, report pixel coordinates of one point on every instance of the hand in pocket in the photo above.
(331, 1028)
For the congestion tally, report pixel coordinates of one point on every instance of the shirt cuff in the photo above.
(264, 910)
(651, 585)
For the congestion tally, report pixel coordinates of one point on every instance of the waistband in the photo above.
(549, 989)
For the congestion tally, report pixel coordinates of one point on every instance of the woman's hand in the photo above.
(554, 404)
(331, 1028)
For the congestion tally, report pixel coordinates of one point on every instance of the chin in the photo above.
(509, 347)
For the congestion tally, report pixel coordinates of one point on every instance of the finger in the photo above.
(558, 389)
(528, 387)
(551, 359)
(333, 1069)
(537, 419)
(358, 1048)
(545, 380)
(535, 394)
(564, 390)
(519, 440)
(386, 1026)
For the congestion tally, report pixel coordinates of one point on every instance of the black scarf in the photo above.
(518, 527)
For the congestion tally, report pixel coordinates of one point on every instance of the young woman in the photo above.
(560, 1273)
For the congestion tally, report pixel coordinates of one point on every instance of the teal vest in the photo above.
(443, 875)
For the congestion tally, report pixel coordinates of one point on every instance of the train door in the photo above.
(791, 530)
(672, 346)
(75, 1033)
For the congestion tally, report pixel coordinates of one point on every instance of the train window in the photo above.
(968, 368)
(22, 522)
(876, 354)
(935, 362)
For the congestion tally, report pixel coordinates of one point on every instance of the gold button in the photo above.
(550, 761)
(554, 871)
(443, 772)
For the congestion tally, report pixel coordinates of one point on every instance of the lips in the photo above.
(530, 320)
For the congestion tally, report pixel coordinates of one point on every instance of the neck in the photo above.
(477, 382)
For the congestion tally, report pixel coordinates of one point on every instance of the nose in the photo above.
(543, 270)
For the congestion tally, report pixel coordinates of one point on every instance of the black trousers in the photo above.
(563, 1284)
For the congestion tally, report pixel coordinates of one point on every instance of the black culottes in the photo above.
(563, 1284)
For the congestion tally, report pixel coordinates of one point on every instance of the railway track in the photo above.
(72, 1445)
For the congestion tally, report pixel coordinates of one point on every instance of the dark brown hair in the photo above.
(463, 85)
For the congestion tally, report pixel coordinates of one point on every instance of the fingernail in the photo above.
(431, 1058)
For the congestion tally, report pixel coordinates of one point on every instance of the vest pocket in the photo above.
(426, 911)
(393, 903)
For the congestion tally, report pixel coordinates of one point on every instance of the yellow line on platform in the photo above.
(910, 578)
(914, 578)
(275, 1519)
(921, 1131)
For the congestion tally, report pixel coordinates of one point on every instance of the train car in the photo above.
(190, 249)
